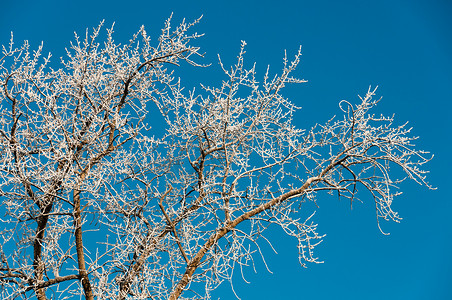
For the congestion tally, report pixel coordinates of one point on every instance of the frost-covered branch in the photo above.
(94, 205)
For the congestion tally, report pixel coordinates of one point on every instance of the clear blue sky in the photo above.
(405, 47)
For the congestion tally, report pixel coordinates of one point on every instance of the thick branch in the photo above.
(38, 264)
(79, 247)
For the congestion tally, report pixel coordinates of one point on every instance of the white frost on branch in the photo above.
(94, 205)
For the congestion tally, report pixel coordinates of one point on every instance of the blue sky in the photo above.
(405, 47)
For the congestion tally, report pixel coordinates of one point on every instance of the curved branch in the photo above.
(196, 261)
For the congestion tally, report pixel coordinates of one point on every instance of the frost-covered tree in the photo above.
(96, 203)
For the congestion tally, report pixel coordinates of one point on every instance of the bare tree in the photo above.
(94, 204)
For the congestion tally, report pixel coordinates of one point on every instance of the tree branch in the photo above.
(196, 260)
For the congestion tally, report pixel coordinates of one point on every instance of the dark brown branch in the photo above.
(79, 247)
(173, 228)
(53, 281)
(138, 69)
(38, 264)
